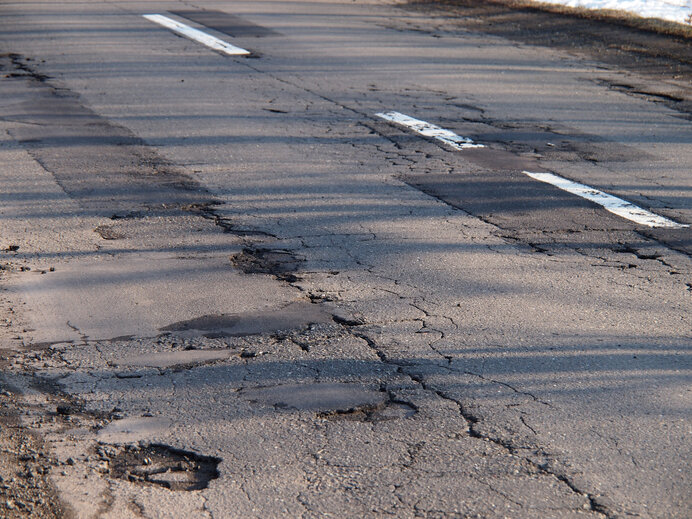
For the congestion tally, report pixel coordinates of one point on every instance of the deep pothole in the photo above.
(280, 263)
(385, 411)
(164, 466)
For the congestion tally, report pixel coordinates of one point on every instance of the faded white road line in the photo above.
(197, 35)
(611, 203)
(430, 130)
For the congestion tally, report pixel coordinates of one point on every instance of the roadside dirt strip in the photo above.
(322, 314)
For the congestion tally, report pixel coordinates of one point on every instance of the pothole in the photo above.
(390, 410)
(279, 263)
(175, 359)
(296, 315)
(108, 233)
(165, 467)
(332, 401)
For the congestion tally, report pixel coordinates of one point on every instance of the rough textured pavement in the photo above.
(230, 290)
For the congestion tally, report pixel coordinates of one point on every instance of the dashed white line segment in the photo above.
(197, 35)
(430, 130)
(611, 203)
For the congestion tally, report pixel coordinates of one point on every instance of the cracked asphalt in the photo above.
(228, 289)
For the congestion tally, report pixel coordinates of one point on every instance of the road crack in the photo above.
(473, 431)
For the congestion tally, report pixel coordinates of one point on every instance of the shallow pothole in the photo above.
(332, 401)
(164, 466)
(297, 315)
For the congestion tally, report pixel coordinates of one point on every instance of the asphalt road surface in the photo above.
(330, 268)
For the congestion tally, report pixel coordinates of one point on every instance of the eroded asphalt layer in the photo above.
(347, 346)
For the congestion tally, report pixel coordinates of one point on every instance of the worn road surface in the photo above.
(240, 286)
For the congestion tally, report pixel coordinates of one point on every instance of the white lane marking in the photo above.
(430, 130)
(197, 35)
(609, 202)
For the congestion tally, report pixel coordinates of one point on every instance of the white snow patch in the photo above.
(672, 10)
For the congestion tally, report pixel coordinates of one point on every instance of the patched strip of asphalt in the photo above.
(514, 202)
(227, 23)
(539, 213)
(502, 195)
(103, 166)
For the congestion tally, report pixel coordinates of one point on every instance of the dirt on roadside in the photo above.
(25, 487)
(25, 490)
(643, 46)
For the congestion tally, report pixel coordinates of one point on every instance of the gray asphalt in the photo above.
(252, 297)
